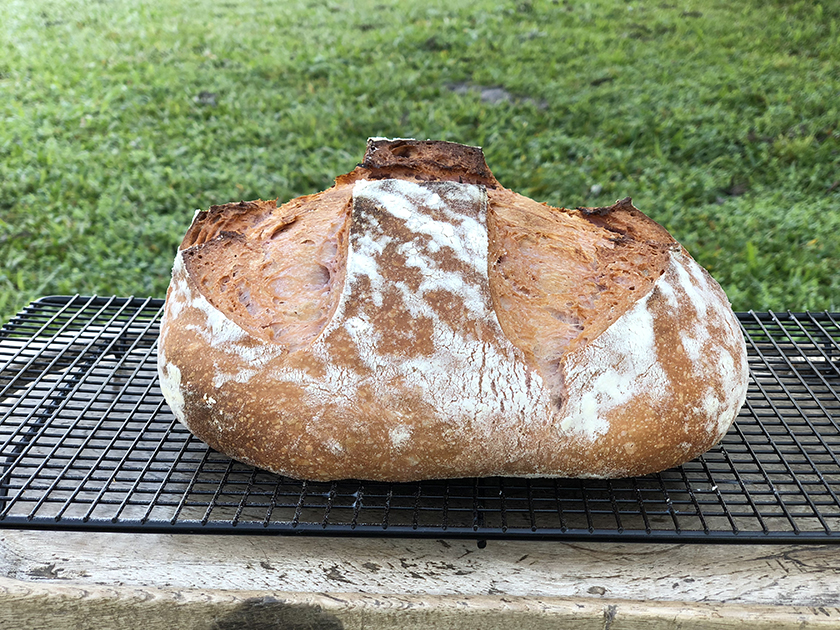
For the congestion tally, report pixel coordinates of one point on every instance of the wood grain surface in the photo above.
(83, 580)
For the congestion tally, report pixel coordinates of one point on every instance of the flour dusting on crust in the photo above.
(467, 370)
(706, 345)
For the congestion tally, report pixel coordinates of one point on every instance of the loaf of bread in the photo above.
(418, 320)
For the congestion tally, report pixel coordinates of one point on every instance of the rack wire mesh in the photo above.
(87, 442)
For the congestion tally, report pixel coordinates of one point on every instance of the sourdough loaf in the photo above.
(418, 320)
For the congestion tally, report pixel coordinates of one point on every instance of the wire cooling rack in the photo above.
(88, 443)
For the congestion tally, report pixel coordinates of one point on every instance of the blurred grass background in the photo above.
(119, 118)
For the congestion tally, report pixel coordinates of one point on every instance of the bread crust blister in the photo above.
(418, 320)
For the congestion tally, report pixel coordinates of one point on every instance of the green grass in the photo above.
(118, 119)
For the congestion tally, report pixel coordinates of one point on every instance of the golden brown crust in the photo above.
(457, 329)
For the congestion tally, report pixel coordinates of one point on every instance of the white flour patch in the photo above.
(693, 346)
(466, 236)
(711, 404)
(238, 376)
(668, 291)
(708, 354)
(400, 435)
(178, 297)
(726, 366)
(219, 329)
(697, 342)
(736, 382)
(334, 446)
(361, 261)
(170, 387)
(698, 293)
(366, 338)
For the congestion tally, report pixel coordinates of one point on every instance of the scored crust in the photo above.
(418, 320)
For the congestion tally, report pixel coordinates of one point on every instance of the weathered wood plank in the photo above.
(740, 574)
(39, 606)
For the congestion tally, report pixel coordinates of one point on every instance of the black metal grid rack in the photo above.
(87, 442)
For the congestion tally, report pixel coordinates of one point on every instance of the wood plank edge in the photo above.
(34, 605)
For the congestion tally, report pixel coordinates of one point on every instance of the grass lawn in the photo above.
(118, 119)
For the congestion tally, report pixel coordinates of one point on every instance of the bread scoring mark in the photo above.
(469, 372)
(220, 332)
(615, 368)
